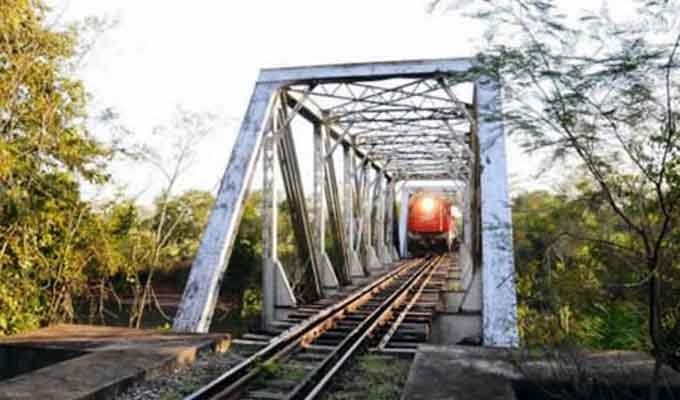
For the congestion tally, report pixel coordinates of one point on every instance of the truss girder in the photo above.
(392, 124)
(302, 228)
(393, 121)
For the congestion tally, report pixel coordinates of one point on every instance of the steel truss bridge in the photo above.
(396, 124)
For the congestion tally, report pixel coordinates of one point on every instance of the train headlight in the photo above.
(427, 204)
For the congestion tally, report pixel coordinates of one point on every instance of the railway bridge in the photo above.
(377, 129)
(378, 136)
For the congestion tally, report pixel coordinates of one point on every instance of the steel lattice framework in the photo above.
(394, 122)
(410, 128)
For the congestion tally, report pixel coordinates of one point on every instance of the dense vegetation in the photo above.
(574, 287)
(602, 93)
(62, 257)
(48, 235)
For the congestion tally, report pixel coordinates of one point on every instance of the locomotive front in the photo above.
(431, 227)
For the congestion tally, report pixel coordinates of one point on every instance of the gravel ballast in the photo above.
(180, 382)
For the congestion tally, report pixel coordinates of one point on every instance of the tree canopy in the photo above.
(602, 93)
(46, 230)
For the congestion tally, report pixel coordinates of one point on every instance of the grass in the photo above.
(277, 370)
(372, 377)
(455, 285)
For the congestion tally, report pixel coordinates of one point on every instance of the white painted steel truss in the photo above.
(394, 122)
(403, 126)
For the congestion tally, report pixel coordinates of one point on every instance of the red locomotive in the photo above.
(431, 227)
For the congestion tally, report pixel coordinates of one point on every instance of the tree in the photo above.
(603, 92)
(244, 270)
(184, 134)
(45, 151)
(188, 213)
(568, 288)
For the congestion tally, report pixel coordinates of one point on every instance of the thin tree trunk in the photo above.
(654, 296)
(143, 300)
(654, 388)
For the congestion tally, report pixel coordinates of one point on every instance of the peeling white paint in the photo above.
(200, 294)
(498, 267)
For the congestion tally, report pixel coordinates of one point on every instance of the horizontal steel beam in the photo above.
(367, 71)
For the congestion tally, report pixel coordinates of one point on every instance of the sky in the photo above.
(204, 56)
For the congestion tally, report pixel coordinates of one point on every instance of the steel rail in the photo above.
(304, 332)
(402, 315)
(346, 349)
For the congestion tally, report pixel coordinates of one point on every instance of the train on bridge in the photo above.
(431, 224)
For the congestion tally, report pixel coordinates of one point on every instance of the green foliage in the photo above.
(600, 92)
(270, 369)
(615, 326)
(252, 303)
(186, 215)
(565, 284)
(287, 249)
(242, 281)
(374, 377)
(245, 265)
(49, 237)
(166, 327)
(58, 251)
(280, 370)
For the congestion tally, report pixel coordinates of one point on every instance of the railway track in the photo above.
(301, 361)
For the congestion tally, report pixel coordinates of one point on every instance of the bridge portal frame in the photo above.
(497, 267)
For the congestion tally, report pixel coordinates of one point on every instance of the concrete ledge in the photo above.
(113, 358)
(453, 300)
(480, 373)
(456, 328)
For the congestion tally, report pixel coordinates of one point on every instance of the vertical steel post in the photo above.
(471, 277)
(403, 221)
(269, 229)
(389, 222)
(380, 218)
(498, 267)
(335, 214)
(276, 290)
(356, 270)
(465, 238)
(367, 200)
(327, 276)
(359, 203)
(371, 260)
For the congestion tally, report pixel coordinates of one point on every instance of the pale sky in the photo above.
(205, 55)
